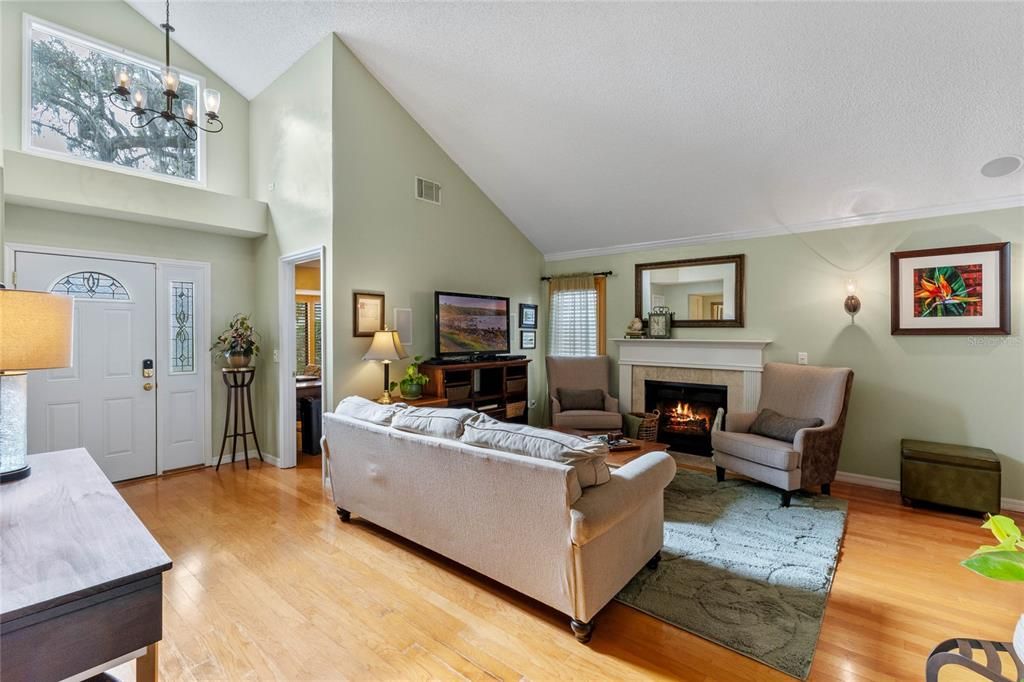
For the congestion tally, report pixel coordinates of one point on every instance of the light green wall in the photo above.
(292, 172)
(233, 279)
(944, 388)
(115, 22)
(386, 240)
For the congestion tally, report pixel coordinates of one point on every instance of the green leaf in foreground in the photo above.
(997, 565)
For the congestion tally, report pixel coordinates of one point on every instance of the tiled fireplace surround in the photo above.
(736, 364)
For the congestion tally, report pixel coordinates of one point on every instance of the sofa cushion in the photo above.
(768, 452)
(441, 422)
(585, 455)
(365, 410)
(771, 424)
(581, 399)
(588, 419)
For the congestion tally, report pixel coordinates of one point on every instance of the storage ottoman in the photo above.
(950, 475)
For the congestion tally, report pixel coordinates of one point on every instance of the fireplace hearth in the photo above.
(687, 413)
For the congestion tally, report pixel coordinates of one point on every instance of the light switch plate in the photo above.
(277, 355)
(801, 358)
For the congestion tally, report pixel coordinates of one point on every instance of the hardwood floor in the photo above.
(268, 584)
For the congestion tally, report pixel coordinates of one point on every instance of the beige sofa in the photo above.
(523, 521)
(812, 457)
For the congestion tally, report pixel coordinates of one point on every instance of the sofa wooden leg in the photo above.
(582, 630)
(826, 488)
(787, 497)
(654, 561)
(719, 473)
(345, 515)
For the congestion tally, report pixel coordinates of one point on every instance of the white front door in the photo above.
(104, 402)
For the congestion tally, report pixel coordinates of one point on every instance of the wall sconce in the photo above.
(852, 303)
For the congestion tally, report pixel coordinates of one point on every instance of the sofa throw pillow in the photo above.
(581, 399)
(365, 410)
(585, 455)
(440, 422)
(771, 424)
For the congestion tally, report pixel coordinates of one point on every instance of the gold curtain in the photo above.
(583, 281)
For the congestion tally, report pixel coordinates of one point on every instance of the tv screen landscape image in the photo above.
(468, 324)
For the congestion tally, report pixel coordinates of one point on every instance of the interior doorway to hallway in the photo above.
(303, 379)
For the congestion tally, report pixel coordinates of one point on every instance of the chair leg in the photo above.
(583, 631)
(826, 488)
(345, 515)
(719, 473)
(787, 497)
(654, 561)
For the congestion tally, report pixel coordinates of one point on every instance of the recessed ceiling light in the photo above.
(1004, 165)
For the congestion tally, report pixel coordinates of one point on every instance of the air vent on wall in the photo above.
(428, 190)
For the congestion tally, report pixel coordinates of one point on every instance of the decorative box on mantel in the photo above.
(734, 363)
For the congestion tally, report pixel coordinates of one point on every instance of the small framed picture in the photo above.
(955, 290)
(367, 313)
(527, 339)
(659, 323)
(527, 316)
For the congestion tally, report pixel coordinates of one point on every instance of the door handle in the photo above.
(147, 386)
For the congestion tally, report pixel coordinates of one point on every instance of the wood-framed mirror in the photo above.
(700, 292)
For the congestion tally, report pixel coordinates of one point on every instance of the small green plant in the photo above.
(412, 381)
(1003, 561)
(239, 337)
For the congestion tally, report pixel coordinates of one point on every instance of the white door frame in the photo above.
(203, 332)
(286, 454)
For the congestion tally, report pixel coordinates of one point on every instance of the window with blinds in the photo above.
(301, 336)
(574, 323)
(317, 347)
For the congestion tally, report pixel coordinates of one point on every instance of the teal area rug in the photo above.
(742, 571)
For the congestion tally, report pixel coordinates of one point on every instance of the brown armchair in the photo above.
(581, 373)
(812, 458)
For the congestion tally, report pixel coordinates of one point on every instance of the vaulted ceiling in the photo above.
(596, 125)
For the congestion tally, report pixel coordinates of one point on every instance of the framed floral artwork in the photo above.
(954, 290)
(367, 313)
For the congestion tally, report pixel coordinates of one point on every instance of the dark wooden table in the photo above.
(80, 576)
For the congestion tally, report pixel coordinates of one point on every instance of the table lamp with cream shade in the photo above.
(386, 347)
(35, 333)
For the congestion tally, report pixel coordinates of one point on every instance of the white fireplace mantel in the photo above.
(731, 355)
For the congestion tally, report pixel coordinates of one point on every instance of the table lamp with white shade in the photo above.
(386, 347)
(35, 333)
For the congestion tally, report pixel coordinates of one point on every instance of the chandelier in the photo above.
(133, 99)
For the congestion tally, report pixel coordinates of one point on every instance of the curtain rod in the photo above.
(606, 273)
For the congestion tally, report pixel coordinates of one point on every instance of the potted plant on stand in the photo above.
(239, 342)
(412, 382)
(1002, 561)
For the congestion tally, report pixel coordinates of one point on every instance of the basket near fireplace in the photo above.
(648, 428)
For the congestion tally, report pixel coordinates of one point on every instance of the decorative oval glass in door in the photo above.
(88, 285)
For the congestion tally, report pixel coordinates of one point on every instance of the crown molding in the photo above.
(1013, 201)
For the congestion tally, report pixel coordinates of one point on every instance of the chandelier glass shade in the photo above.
(129, 94)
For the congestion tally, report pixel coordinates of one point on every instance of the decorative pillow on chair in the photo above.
(581, 399)
(771, 424)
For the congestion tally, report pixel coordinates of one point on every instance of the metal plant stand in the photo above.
(239, 382)
(961, 652)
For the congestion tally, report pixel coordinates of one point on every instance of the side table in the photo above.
(239, 403)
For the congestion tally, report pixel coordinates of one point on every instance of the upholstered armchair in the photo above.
(799, 392)
(570, 379)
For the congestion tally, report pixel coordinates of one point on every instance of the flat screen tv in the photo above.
(470, 324)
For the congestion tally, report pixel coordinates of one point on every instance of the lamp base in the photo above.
(385, 398)
(15, 474)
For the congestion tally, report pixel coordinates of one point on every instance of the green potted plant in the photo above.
(412, 382)
(239, 342)
(1003, 561)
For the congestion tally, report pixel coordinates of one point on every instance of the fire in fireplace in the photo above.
(687, 413)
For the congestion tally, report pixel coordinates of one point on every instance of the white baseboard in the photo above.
(1008, 503)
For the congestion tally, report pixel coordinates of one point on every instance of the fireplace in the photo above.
(687, 413)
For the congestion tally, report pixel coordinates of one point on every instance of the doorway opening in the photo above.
(304, 357)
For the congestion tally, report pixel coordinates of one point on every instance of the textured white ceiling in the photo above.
(593, 125)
